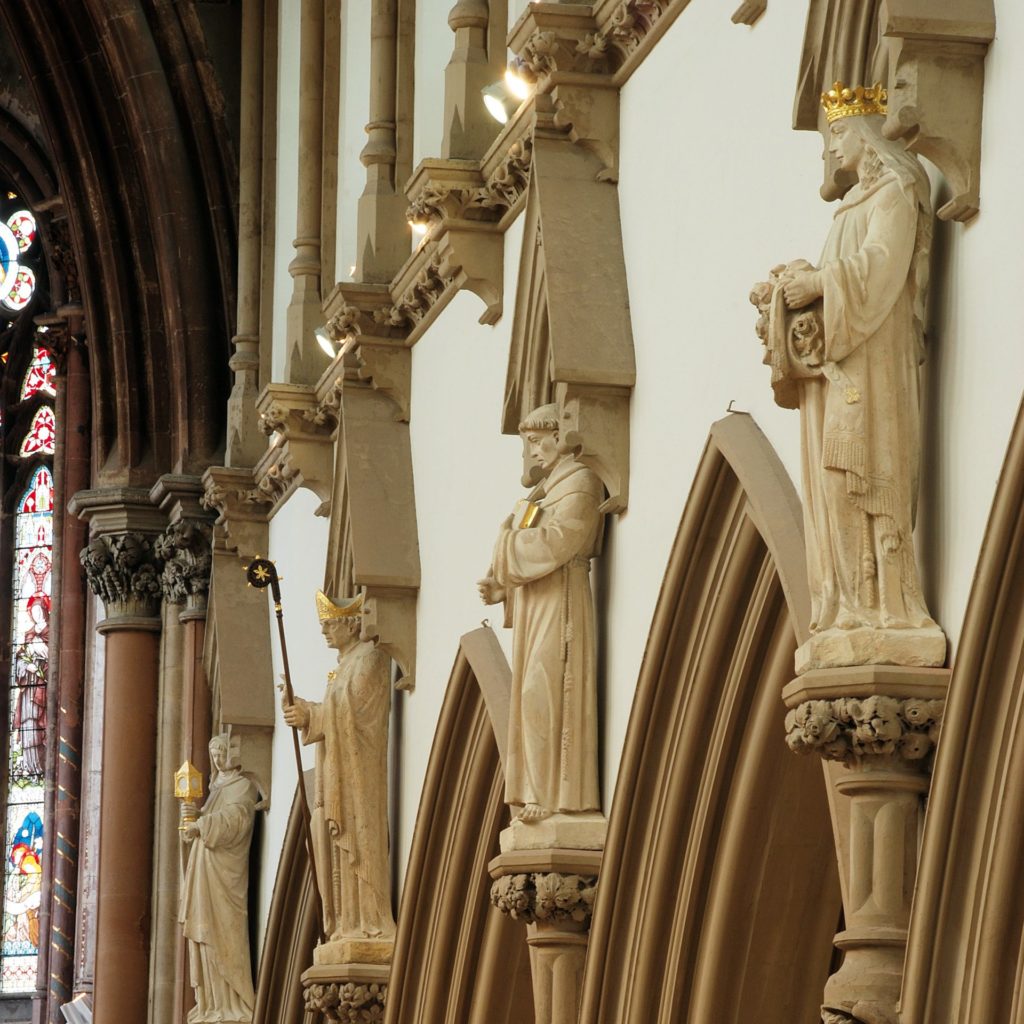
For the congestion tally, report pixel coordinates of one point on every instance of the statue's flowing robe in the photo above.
(861, 436)
(215, 900)
(544, 568)
(351, 728)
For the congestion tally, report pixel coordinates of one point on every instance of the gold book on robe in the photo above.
(527, 513)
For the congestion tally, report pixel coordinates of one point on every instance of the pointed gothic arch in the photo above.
(712, 814)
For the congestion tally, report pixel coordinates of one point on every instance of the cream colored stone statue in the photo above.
(844, 341)
(215, 893)
(541, 571)
(350, 808)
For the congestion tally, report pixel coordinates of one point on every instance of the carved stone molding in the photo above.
(242, 510)
(347, 1002)
(849, 729)
(346, 993)
(447, 190)
(936, 84)
(545, 897)
(301, 454)
(559, 38)
(186, 549)
(881, 722)
(124, 571)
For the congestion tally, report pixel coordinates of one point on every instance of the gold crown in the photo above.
(842, 101)
(326, 609)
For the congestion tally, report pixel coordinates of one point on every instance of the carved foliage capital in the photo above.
(630, 23)
(545, 896)
(849, 729)
(347, 1002)
(186, 548)
(551, 50)
(124, 571)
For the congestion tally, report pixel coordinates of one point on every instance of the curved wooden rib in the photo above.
(458, 959)
(965, 956)
(291, 931)
(719, 894)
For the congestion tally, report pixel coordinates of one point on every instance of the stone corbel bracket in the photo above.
(572, 339)
(562, 50)
(936, 84)
(242, 511)
(364, 394)
(301, 453)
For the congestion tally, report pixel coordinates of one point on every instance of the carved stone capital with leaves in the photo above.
(849, 729)
(545, 896)
(241, 508)
(347, 1002)
(186, 548)
(124, 571)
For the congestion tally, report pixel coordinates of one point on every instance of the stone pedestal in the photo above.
(346, 993)
(553, 892)
(881, 723)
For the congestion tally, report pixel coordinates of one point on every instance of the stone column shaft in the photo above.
(468, 128)
(126, 819)
(305, 361)
(881, 723)
(123, 570)
(68, 656)
(383, 236)
(245, 443)
(557, 955)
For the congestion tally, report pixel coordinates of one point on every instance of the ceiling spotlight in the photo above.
(499, 101)
(517, 85)
(325, 341)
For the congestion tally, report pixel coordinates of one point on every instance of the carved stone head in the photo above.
(540, 434)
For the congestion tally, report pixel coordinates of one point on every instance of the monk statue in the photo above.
(845, 340)
(350, 806)
(541, 570)
(214, 909)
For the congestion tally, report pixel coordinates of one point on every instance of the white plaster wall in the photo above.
(715, 188)
(287, 172)
(434, 42)
(467, 480)
(298, 546)
(712, 195)
(353, 114)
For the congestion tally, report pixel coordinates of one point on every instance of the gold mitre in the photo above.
(842, 101)
(326, 609)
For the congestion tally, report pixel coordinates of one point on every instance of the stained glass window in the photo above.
(41, 434)
(26, 746)
(40, 375)
(27, 441)
(17, 278)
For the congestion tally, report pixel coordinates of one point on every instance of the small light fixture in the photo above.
(517, 85)
(419, 227)
(325, 341)
(499, 101)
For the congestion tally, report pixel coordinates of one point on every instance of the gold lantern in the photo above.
(188, 788)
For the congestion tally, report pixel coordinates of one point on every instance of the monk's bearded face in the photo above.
(542, 449)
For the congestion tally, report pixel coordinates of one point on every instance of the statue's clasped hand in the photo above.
(490, 590)
(800, 287)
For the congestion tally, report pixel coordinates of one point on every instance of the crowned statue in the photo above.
(844, 340)
(541, 571)
(350, 807)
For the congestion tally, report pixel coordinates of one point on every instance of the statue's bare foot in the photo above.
(533, 812)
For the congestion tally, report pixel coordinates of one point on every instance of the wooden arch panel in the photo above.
(291, 930)
(719, 892)
(457, 959)
(965, 950)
